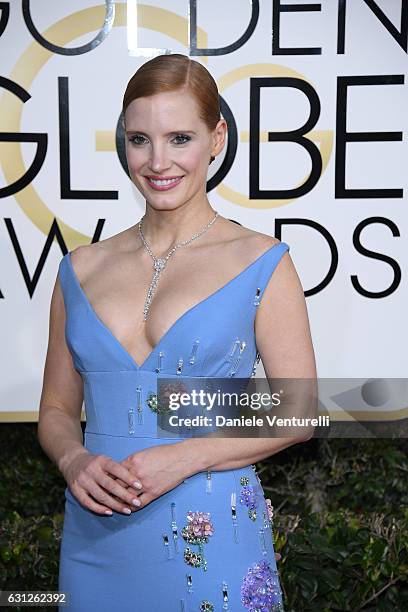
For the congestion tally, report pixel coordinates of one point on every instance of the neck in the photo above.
(162, 229)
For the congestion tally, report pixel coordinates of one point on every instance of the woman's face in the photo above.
(166, 139)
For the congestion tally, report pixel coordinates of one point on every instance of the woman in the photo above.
(155, 521)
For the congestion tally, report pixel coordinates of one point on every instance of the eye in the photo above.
(134, 139)
(184, 136)
(138, 139)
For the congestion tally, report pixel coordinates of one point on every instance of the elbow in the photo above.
(39, 433)
(305, 436)
(308, 435)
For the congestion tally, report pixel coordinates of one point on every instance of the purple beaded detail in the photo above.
(260, 590)
(249, 498)
(197, 531)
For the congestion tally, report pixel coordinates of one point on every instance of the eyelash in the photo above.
(132, 139)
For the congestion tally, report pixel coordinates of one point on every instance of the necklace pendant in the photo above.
(159, 264)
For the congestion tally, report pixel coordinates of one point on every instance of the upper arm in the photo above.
(282, 326)
(62, 384)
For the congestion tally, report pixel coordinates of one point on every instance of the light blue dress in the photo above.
(206, 544)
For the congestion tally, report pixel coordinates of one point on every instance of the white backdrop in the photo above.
(357, 314)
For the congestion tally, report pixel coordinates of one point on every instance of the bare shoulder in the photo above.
(251, 244)
(87, 259)
(262, 241)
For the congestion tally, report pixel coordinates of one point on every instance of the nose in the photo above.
(159, 159)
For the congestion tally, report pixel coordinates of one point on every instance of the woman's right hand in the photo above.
(95, 480)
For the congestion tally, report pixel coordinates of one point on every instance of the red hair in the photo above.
(176, 72)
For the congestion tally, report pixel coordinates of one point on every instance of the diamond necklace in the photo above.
(159, 263)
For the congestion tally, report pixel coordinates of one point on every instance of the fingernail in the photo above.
(127, 510)
(109, 512)
(138, 485)
(136, 502)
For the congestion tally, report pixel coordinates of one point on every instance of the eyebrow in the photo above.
(168, 134)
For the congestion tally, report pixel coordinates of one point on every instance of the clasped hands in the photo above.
(102, 484)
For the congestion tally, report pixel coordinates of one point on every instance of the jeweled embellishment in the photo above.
(244, 480)
(206, 606)
(234, 515)
(159, 264)
(270, 511)
(257, 296)
(260, 590)
(161, 406)
(199, 527)
(152, 401)
(192, 558)
(224, 595)
(249, 498)
(197, 531)
(174, 526)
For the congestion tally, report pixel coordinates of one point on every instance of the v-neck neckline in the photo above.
(176, 322)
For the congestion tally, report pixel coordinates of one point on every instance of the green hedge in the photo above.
(340, 520)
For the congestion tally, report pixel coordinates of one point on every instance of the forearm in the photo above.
(230, 453)
(60, 436)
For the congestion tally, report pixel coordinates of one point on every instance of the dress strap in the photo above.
(267, 268)
(63, 274)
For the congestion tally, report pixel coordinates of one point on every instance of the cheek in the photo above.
(194, 161)
(135, 158)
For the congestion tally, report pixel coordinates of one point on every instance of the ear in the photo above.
(219, 137)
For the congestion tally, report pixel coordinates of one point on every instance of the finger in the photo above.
(119, 492)
(145, 499)
(88, 502)
(120, 471)
(104, 497)
(122, 483)
(134, 489)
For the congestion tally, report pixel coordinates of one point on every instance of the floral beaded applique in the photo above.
(206, 606)
(270, 511)
(161, 405)
(249, 497)
(260, 590)
(268, 520)
(154, 403)
(197, 531)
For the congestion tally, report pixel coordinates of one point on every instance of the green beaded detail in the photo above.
(197, 531)
(192, 558)
(206, 606)
(244, 480)
(154, 404)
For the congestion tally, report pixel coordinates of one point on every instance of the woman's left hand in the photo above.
(159, 469)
